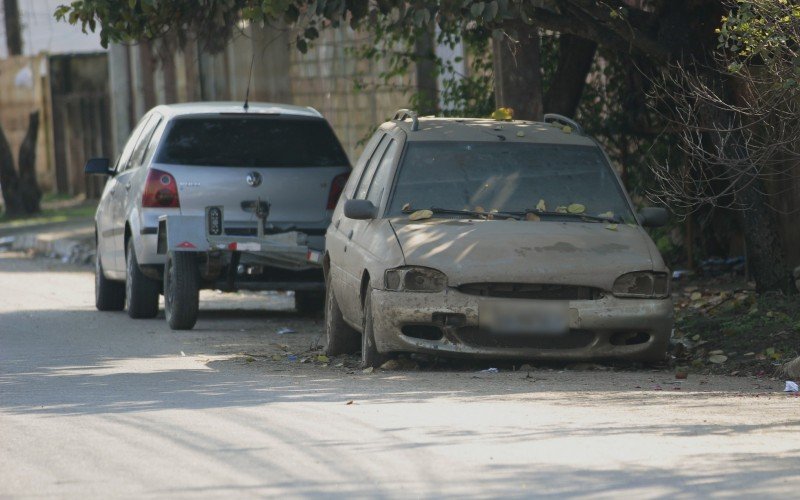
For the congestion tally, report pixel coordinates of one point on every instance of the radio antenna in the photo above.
(249, 79)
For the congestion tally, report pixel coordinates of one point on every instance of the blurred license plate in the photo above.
(523, 317)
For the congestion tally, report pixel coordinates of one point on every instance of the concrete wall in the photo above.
(24, 88)
(324, 78)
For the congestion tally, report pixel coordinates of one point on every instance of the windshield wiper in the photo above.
(594, 218)
(472, 213)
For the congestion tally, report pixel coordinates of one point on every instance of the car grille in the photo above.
(574, 339)
(532, 291)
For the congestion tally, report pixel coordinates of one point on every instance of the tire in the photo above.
(141, 292)
(370, 357)
(181, 290)
(109, 295)
(309, 302)
(341, 338)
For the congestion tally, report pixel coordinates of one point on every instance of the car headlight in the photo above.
(415, 279)
(642, 284)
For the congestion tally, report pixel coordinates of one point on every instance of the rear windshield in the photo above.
(251, 141)
(506, 177)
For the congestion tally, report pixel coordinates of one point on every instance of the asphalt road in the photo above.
(97, 405)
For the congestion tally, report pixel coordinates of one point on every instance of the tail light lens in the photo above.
(160, 190)
(337, 186)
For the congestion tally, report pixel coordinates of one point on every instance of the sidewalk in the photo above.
(71, 241)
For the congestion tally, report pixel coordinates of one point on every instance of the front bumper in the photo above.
(606, 328)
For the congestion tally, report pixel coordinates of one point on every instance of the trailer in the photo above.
(201, 254)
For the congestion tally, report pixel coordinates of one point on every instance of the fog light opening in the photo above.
(424, 332)
(629, 338)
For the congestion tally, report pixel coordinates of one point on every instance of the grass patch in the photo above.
(82, 211)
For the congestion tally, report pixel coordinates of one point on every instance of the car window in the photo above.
(251, 141)
(144, 142)
(358, 170)
(507, 177)
(127, 151)
(378, 184)
(369, 171)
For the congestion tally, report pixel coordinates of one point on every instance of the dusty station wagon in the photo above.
(495, 239)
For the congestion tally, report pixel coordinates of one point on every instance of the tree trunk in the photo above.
(517, 73)
(13, 27)
(427, 91)
(575, 56)
(9, 182)
(28, 186)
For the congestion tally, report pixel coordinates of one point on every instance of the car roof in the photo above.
(218, 107)
(488, 130)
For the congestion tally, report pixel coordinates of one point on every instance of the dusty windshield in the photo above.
(507, 177)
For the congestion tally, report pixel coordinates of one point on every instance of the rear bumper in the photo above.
(608, 328)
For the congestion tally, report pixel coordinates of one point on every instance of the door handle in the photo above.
(350, 235)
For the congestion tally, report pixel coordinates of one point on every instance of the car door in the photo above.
(105, 215)
(121, 192)
(337, 237)
(358, 230)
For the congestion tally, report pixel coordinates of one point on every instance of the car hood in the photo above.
(477, 251)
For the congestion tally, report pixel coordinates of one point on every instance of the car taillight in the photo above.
(160, 190)
(337, 186)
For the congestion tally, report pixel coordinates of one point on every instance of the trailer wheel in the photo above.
(181, 290)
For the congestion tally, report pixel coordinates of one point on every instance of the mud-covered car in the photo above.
(482, 238)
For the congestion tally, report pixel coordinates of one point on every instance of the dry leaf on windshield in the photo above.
(607, 215)
(479, 209)
(561, 209)
(566, 129)
(420, 215)
(532, 217)
(611, 227)
(576, 208)
(541, 206)
(406, 207)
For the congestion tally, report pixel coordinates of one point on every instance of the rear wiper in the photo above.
(595, 218)
(472, 213)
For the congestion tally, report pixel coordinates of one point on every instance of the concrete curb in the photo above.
(75, 244)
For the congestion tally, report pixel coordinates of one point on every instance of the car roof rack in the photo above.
(556, 118)
(402, 114)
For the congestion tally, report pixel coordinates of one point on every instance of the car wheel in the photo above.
(109, 295)
(341, 338)
(141, 292)
(309, 302)
(370, 357)
(181, 290)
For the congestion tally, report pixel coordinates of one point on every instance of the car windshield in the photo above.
(507, 177)
(252, 141)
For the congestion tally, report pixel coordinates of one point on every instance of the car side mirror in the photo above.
(360, 209)
(653, 216)
(98, 166)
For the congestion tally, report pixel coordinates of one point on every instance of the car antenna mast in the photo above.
(246, 105)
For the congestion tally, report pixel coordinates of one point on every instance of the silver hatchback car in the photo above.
(182, 158)
(498, 239)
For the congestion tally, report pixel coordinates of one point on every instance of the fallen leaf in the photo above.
(718, 351)
(503, 114)
(718, 359)
(566, 129)
(349, 402)
(607, 215)
(520, 134)
(532, 217)
(420, 215)
(561, 209)
(541, 206)
(276, 357)
(696, 296)
(479, 209)
(322, 358)
(576, 208)
(406, 207)
(611, 227)
(368, 370)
